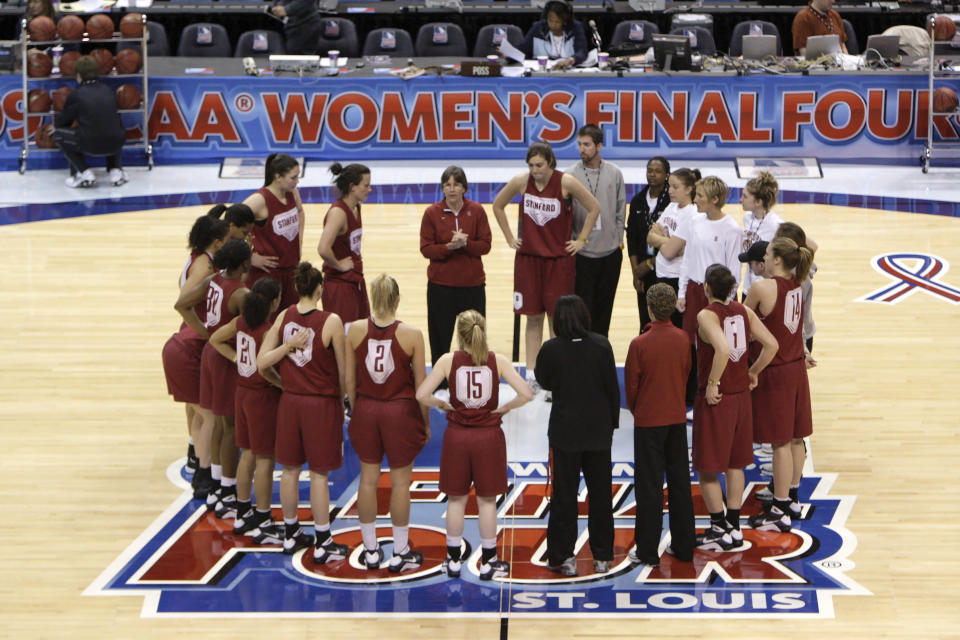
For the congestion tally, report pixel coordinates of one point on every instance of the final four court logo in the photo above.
(189, 563)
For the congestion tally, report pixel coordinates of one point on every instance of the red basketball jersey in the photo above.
(201, 307)
(347, 244)
(218, 301)
(474, 391)
(280, 236)
(736, 328)
(785, 321)
(546, 219)
(311, 371)
(384, 370)
(248, 345)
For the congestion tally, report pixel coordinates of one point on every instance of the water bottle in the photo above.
(57, 52)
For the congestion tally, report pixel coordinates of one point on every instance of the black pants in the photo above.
(562, 526)
(659, 450)
(648, 281)
(596, 283)
(66, 139)
(443, 305)
(303, 38)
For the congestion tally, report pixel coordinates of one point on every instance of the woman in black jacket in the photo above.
(645, 209)
(579, 368)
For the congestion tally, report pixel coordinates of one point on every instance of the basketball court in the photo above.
(102, 539)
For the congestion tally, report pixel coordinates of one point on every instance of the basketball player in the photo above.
(345, 292)
(474, 449)
(760, 222)
(224, 295)
(278, 238)
(781, 400)
(307, 347)
(182, 351)
(256, 402)
(544, 267)
(722, 417)
(385, 365)
(710, 237)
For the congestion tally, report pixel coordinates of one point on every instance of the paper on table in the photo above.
(510, 51)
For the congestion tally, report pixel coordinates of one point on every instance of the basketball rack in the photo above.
(936, 73)
(29, 144)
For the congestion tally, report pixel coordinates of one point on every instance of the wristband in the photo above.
(584, 239)
(712, 381)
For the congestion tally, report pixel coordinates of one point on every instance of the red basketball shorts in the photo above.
(539, 282)
(722, 433)
(181, 366)
(781, 404)
(393, 428)
(310, 429)
(476, 455)
(218, 382)
(285, 276)
(256, 419)
(346, 299)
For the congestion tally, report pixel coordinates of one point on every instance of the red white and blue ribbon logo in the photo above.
(911, 272)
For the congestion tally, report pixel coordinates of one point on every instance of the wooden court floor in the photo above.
(88, 430)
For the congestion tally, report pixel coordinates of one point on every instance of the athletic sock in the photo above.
(243, 506)
(733, 517)
(783, 505)
(488, 555)
(718, 520)
(216, 471)
(401, 540)
(368, 530)
(795, 493)
(453, 550)
(322, 532)
(263, 511)
(291, 526)
(228, 482)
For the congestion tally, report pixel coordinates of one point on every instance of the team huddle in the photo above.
(273, 353)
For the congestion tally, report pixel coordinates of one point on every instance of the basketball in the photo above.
(38, 101)
(104, 60)
(943, 28)
(100, 26)
(60, 98)
(128, 97)
(128, 61)
(38, 64)
(70, 28)
(44, 137)
(944, 100)
(42, 28)
(68, 62)
(131, 25)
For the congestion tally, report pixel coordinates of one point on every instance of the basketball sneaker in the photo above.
(635, 559)
(84, 179)
(214, 496)
(192, 460)
(766, 469)
(796, 511)
(267, 533)
(736, 535)
(715, 539)
(118, 177)
(252, 519)
(494, 569)
(567, 568)
(226, 508)
(601, 566)
(373, 559)
(330, 552)
(300, 539)
(765, 494)
(773, 519)
(203, 484)
(409, 560)
(452, 567)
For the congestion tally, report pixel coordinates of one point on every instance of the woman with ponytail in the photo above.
(781, 400)
(474, 449)
(280, 220)
(256, 403)
(385, 365)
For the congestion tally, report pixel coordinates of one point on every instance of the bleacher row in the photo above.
(444, 38)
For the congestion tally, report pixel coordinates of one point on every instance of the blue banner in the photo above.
(848, 117)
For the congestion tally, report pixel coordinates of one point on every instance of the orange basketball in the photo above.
(944, 100)
(943, 28)
(42, 28)
(71, 28)
(38, 101)
(60, 98)
(104, 60)
(100, 26)
(131, 25)
(128, 61)
(68, 63)
(38, 64)
(128, 97)
(44, 137)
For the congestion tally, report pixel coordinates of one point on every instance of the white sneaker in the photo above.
(442, 394)
(534, 386)
(118, 177)
(83, 179)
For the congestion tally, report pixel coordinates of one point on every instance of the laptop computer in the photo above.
(887, 46)
(822, 45)
(759, 47)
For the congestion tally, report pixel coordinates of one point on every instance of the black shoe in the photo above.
(267, 533)
(203, 484)
(299, 540)
(252, 519)
(372, 559)
(405, 561)
(494, 569)
(452, 567)
(192, 460)
(213, 496)
(715, 539)
(330, 552)
(773, 519)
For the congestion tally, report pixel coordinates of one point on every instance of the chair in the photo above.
(339, 34)
(639, 32)
(750, 27)
(388, 42)
(490, 36)
(259, 42)
(701, 40)
(704, 20)
(204, 40)
(157, 44)
(853, 47)
(441, 39)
